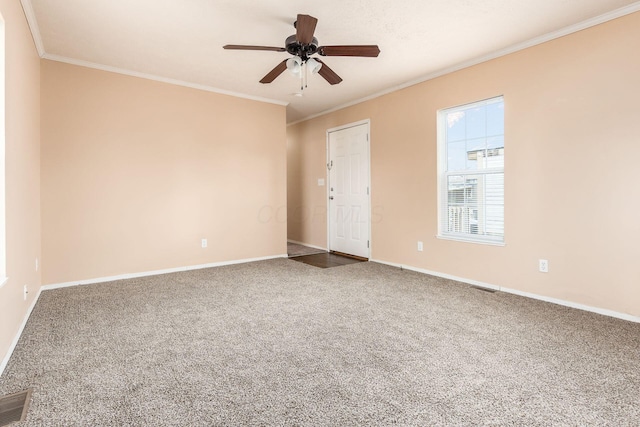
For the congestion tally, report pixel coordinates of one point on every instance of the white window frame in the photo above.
(444, 173)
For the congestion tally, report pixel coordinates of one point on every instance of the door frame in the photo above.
(366, 122)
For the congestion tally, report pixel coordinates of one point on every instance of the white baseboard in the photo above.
(564, 303)
(307, 245)
(12, 347)
(156, 272)
(570, 304)
(14, 343)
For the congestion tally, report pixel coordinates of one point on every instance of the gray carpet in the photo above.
(282, 343)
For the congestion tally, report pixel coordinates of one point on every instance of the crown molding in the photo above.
(601, 19)
(29, 13)
(146, 76)
(27, 7)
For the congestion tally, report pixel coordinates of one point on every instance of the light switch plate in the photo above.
(321, 182)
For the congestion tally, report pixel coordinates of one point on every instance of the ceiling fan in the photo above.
(303, 45)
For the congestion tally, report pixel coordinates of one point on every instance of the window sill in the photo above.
(476, 241)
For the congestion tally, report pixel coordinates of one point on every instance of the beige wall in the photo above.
(22, 171)
(136, 172)
(572, 149)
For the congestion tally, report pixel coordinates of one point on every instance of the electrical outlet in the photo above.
(543, 265)
(26, 291)
(420, 247)
(204, 243)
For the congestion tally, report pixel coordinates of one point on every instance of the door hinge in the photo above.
(367, 243)
(367, 191)
(367, 137)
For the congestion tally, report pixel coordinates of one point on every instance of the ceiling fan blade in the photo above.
(328, 74)
(244, 47)
(305, 27)
(355, 50)
(271, 75)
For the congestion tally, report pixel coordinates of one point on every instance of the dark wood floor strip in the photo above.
(359, 258)
(326, 260)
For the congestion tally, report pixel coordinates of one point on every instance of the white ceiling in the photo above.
(181, 40)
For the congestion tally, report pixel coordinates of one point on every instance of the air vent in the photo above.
(14, 407)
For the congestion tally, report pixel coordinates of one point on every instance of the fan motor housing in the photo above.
(304, 51)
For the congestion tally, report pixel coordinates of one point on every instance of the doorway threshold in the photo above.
(327, 260)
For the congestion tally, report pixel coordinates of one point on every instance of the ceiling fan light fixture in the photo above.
(302, 45)
(313, 65)
(294, 65)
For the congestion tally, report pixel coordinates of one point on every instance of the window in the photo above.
(471, 172)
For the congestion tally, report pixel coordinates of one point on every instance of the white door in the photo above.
(349, 190)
